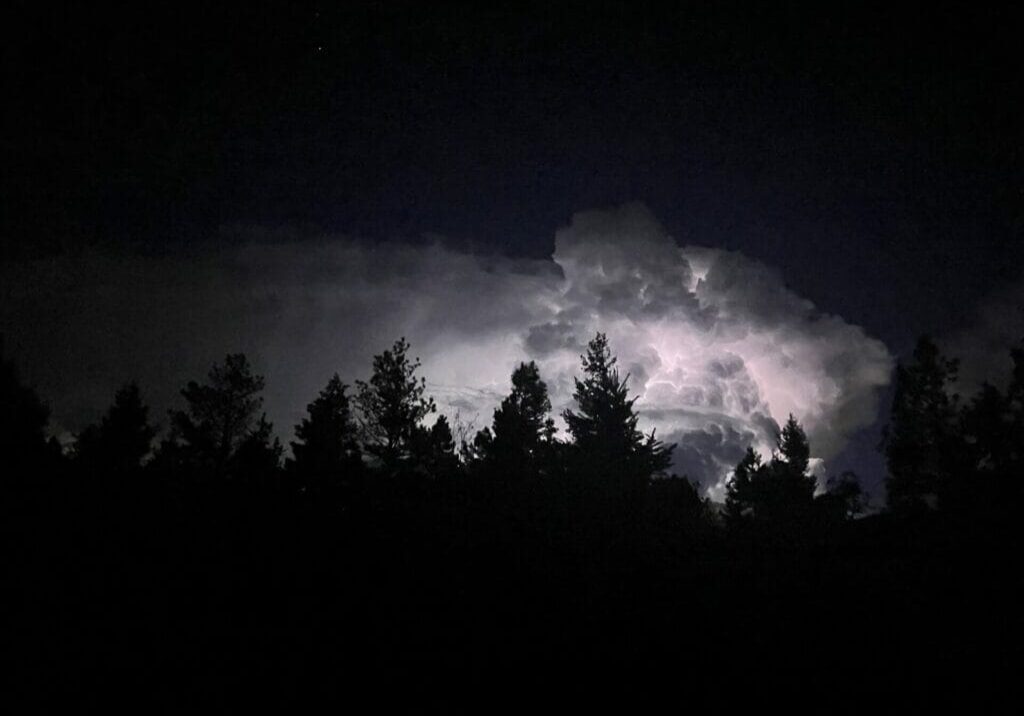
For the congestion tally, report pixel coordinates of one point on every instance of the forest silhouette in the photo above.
(202, 567)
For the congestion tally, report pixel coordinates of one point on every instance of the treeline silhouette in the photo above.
(206, 569)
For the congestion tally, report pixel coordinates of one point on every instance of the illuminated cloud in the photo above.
(717, 348)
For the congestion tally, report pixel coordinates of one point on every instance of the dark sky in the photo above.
(850, 149)
(872, 154)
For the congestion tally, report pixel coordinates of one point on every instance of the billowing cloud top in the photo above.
(718, 350)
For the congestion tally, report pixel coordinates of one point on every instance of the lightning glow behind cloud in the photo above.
(717, 349)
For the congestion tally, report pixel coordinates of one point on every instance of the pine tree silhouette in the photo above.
(609, 451)
(920, 441)
(392, 406)
(24, 417)
(122, 439)
(519, 443)
(222, 416)
(326, 453)
(434, 449)
(778, 491)
(741, 495)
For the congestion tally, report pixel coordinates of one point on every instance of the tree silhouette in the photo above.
(796, 452)
(221, 417)
(792, 485)
(920, 442)
(122, 439)
(1015, 417)
(991, 446)
(843, 498)
(777, 491)
(988, 427)
(675, 507)
(258, 457)
(1016, 390)
(608, 448)
(520, 439)
(583, 538)
(23, 421)
(741, 492)
(326, 452)
(434, 448)
(392, 405)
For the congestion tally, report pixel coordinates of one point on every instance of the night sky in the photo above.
(870, 157)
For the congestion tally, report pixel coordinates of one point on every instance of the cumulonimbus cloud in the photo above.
(718, 350)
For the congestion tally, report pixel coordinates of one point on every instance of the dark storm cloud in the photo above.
(712, 450)
(547, 338)
(996, 326)
(718, 350)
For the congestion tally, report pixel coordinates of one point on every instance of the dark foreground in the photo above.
(182, 598)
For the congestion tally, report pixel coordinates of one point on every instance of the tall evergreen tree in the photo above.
(795, 451)
(258, 457)
(222, 416)
(1015, 408)
(792, 483)
(122, 439)
(675, 508)
(1016, 390)
(608, 447)
(740, 495)
(392, 406)
(920, 441)
(522, 433)
(987, 425)
(434, 449)
(992, 445)
(23, 421)
(326, 451)
(777, 491)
